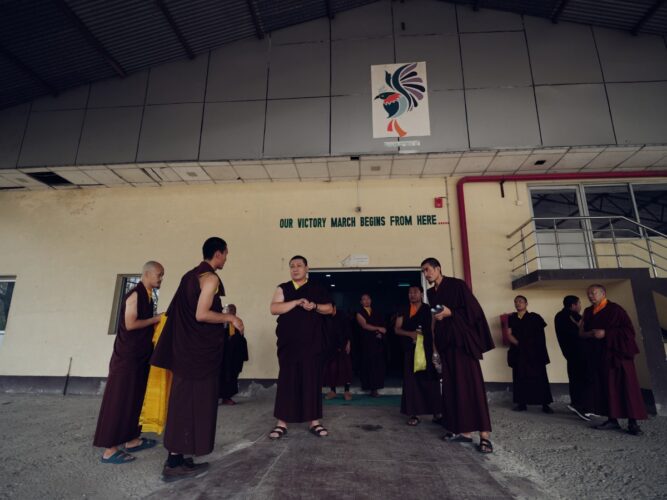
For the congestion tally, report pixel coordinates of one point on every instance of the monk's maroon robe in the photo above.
(461, 340)
(529, 360)
(338, 370)
(300, 339)
(421, 390)
(193, 351)
(373, 363)
(619, 395)
(118, 421)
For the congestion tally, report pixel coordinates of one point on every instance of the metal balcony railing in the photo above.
(586, 243)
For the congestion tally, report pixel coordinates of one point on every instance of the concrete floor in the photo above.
(46, 452)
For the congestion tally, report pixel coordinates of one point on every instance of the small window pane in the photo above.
(651, 202)
(6, 291)
(128, 283)
(613, 202)
(555, 204)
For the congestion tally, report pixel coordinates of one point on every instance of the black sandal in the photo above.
(485, 446)
(456, 438)
(278, 429)
(318, 430)
(413, 421)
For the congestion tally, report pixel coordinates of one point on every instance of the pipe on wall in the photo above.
(460, 197)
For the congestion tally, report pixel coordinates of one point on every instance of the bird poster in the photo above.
(400, 100)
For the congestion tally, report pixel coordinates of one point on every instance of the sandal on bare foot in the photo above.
(277, 432)
(330, 395)
(319, 430)
(485, 446)
(413, 421)
(347, 395)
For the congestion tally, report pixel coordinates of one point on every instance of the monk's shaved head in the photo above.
(152, 265)
(598, 287)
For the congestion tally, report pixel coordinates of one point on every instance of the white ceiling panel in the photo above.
(251, 171)
(379, 167)
(347, 169)
(133, 175)
(221, 172)
(76, 177)
(313, 170)
(283, 170)
(191, 173)
(408, 167)
(106, 177)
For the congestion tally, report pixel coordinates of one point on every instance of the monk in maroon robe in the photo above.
(372, 333)
(191, 346)
(421, 390)
(300, 306)
(234, 355)
(118, 423)
(461, 336)
(338, 370)
(610, 327)
(528, 358)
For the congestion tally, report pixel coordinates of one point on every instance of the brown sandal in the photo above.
(319, 430)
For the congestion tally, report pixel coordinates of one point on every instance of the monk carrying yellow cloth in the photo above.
(154, 412)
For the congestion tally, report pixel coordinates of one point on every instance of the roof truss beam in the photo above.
(174, 27)
(89, 37)
(27, 70)
(647, 16)
(254, 13)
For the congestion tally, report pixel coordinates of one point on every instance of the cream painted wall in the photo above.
(66, 248)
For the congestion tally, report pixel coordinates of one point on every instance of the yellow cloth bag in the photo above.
(420, 354)
(154, 411)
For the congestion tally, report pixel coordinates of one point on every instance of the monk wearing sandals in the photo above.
(118, 429)
(300, 306)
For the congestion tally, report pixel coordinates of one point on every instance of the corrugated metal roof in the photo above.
(47, 46)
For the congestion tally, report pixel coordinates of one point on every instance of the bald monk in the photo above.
(421, 390)
(191, 346)
(528, 358)
(372, 333)
(300, 306)
(461, 336)
(610, 327)
(118, 429)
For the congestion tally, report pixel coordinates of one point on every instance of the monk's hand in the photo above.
(238, 323)
(413, 336)
(347, 347)
(445, 313)
(156, 318)
(309, 306)
(598, 334)
(382, 330)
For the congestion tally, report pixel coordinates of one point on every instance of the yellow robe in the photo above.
(154, 411)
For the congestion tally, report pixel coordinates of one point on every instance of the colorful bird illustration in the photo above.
(407, 90)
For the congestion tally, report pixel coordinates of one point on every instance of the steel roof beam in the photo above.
(90, 38)
(28, 70)
(559, 10)
(174, 27)
(256, 19)
(646, 17)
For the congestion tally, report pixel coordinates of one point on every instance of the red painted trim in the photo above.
(460, 197)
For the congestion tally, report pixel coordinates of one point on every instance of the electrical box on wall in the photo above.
(437, 202)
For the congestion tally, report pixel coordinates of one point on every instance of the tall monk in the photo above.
(300, 306)
(373, 364)
(191, 346)
(234, 355)
(461, 336)
(338, 370)
(610, 326)
(528, 358)
(566, 323)
(421, 390)
(118, 428)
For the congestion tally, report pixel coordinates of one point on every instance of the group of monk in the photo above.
(452, 332)
(599, 348)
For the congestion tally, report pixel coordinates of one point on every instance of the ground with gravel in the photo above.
(46, 451)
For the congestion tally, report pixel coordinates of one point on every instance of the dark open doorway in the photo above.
(388, 289)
